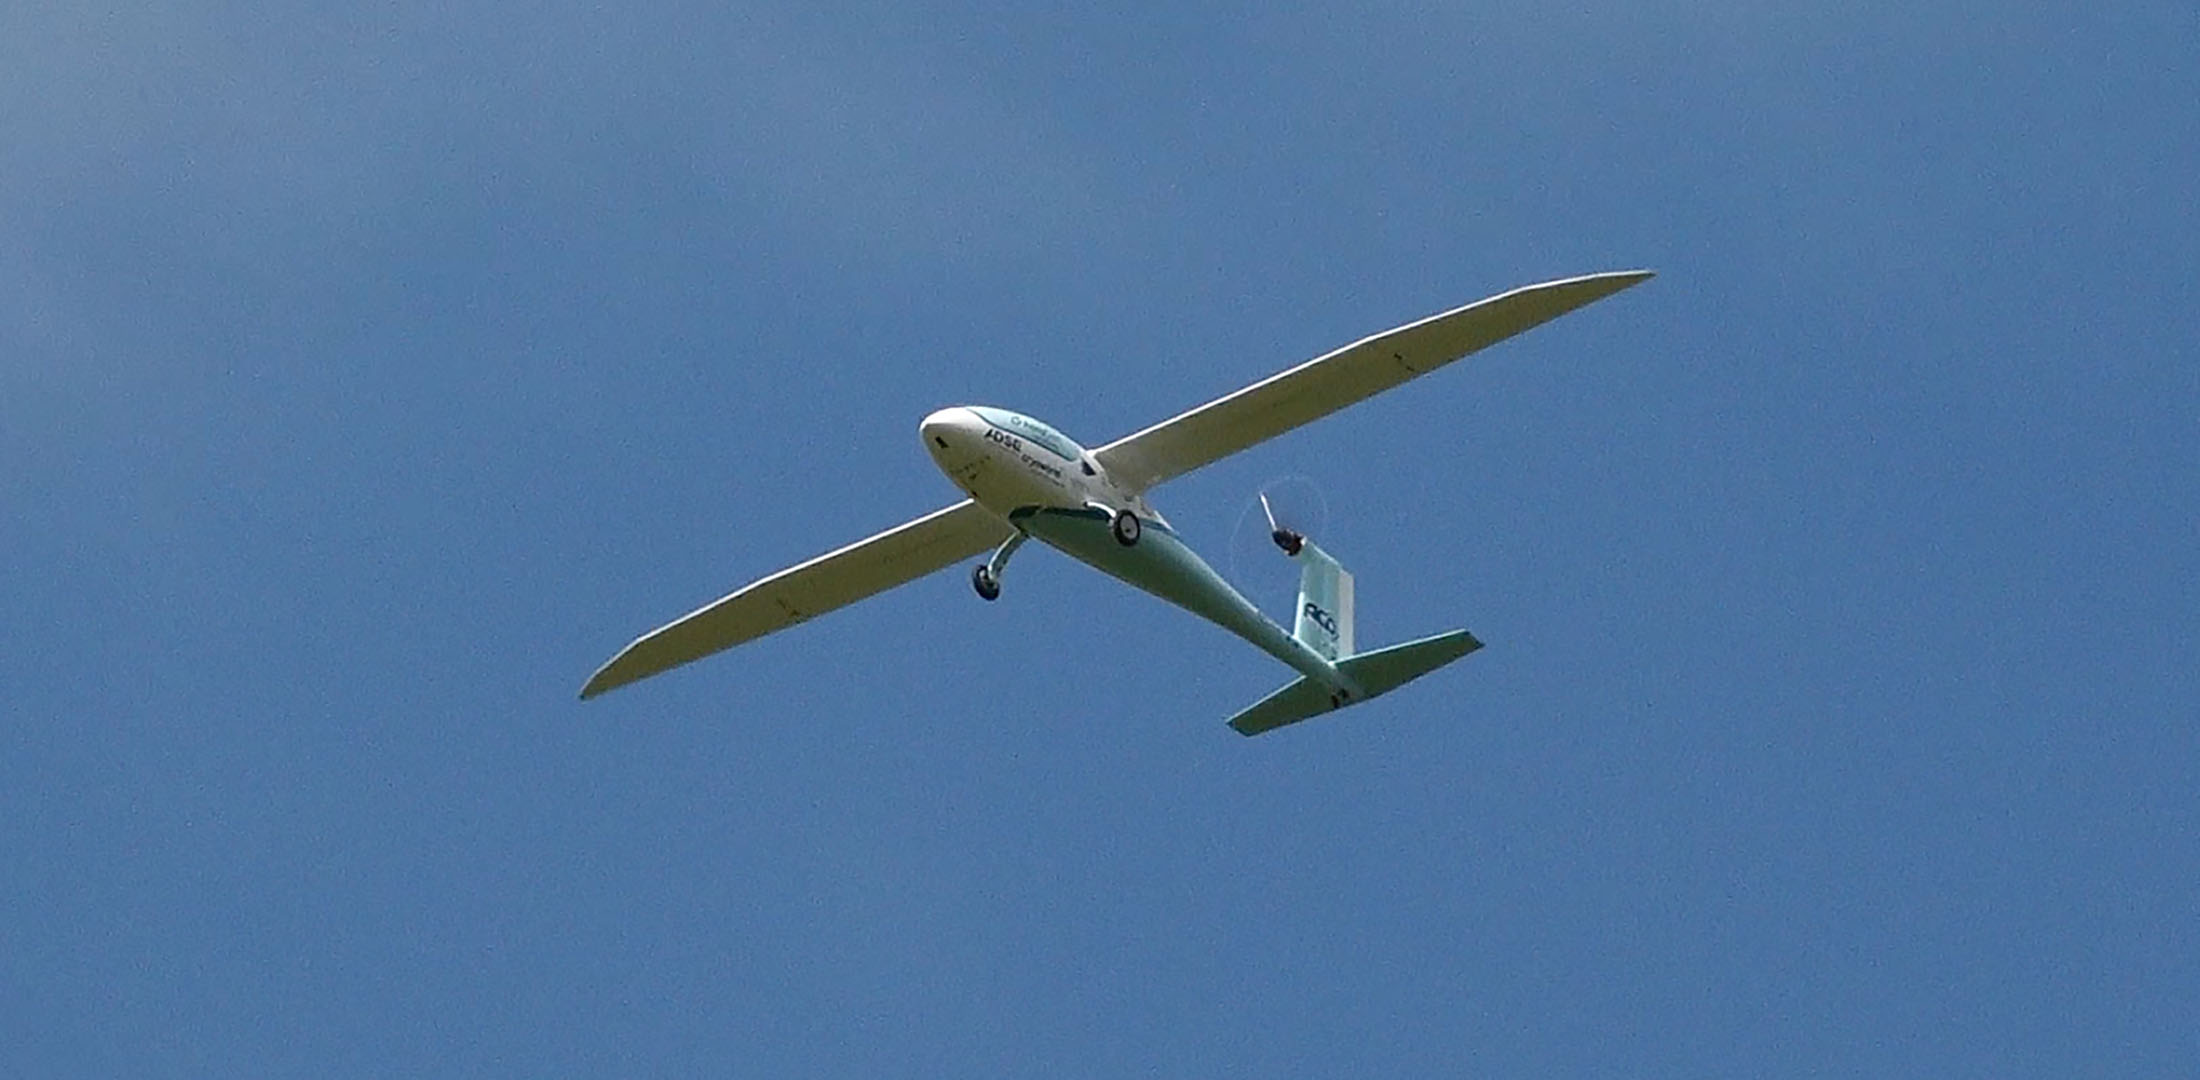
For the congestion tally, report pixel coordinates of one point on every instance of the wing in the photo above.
(1360, 370)
(799, 593)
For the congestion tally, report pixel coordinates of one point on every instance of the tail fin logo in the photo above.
(1322, 618)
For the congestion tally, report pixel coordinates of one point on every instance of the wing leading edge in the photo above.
(799, 593)
(1354, 373)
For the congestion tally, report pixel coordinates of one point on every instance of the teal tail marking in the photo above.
(1377, 673)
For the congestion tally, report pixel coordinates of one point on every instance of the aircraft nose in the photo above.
(942, 431)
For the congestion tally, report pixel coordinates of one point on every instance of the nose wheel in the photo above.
(982, 579)
(1126, 528)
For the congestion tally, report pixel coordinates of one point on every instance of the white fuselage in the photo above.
(1047, 486)
(1013, 465)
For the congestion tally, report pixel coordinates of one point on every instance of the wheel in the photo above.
(1126, 528)
(982, 580)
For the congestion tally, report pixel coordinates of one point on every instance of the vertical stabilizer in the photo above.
(1325, 604)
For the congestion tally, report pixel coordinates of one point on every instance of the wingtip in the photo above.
(1595, 286)
(1599, 286)
(601, 682)
(604, 682)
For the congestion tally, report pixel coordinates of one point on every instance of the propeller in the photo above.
(1290, 541)
(1282, 513)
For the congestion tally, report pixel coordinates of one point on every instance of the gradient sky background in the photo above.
(369, 375)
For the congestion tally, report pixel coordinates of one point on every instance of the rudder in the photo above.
(1324, 621)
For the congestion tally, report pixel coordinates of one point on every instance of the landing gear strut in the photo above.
(986, 576)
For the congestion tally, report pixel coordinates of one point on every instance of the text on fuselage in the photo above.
(1011, 442)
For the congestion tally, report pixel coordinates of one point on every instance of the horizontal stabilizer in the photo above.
(1377, 673)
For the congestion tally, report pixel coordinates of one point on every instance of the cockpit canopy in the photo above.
(1018, 424)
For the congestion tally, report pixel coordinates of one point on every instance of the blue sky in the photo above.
(367, 377)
